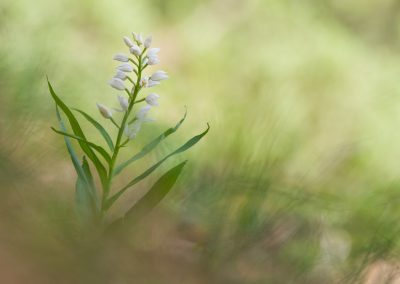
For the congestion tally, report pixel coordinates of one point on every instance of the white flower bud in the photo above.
(139, 39)
(120, 75)
(152, 99)
(125, 67)
(151, 83)
(143, 82)
(142, 113)
(123, 102)
(128, 41)
(121, 57)
(117, 83)
(145, 60)
(132, 130)
(135, 50)
(147, 41)
(153, 60)
(159, 76)
(153, 52)
(105, 111)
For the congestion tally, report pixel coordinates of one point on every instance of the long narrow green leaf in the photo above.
(71, 151)
(98, 148)
(78, 132)
(86, 199)
(191, 142)
(146, 149)
(151, 199)
(99, 127)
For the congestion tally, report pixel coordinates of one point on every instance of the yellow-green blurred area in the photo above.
(296, 182)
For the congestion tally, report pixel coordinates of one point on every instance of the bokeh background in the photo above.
(297, 181)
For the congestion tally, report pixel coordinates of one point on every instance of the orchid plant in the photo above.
(94, 199)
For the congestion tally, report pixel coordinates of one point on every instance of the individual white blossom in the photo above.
(143, 112)
(151, 83)
(132, 130)
(144, 82)
(145, 60)
(120, 75)
(153, 52)
(121, 57)
(159, 76)
(152, 99)
(138, 38)
(134, 49)
(153, 60)
(128, 41)
(125, 67)
(105, 111)
(147, 41)
(123, 102)
(117, 83)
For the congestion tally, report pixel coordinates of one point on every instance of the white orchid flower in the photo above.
(117, 83)
(123, 102)
(147, 41)
(134, 49)
(125, 67)
(105, 111)
(152, 99)
(128, 41)
(159, 76)
(121, 57)
(120, 75)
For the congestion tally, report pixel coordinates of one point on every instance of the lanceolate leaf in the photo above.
(157, 192)
(146, 149)
(181, 149)
(98, 148)
(85, 195)
(99, 127)
(71, 151)
(78, 132)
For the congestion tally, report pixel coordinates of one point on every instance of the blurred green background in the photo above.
(297, 181)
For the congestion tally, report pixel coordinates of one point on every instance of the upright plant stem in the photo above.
(120, 133)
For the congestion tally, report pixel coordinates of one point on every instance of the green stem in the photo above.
(118, 144)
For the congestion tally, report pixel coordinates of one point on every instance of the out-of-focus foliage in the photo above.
(298, 181)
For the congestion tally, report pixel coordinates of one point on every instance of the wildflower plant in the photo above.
(94, 199)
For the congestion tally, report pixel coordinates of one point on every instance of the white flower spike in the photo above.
(117, 83)
(121, 57)
(123, 102)
(105, 111)
(159, 76)
(147, 41)
(152, 99)
(125, 67)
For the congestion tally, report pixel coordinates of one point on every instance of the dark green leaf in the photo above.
(146, 149)
(99, 127)
(78, 132)
(147, 172)
(86, 197)
(157, 192)
(98, 148)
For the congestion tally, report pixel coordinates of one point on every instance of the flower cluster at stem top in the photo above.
(131, 69)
